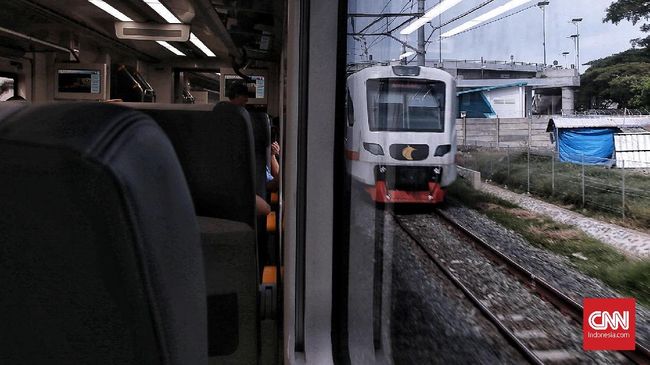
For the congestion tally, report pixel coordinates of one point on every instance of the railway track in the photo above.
(534, 344)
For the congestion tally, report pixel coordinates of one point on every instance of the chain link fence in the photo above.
(603, 188)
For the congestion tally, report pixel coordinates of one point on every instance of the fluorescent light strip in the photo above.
(162, 10)
(406, 54)
(485, 17)
(434, 12)
(171, 48)
(159, 8)
(111, 10)
(200, 45)
(121, 17)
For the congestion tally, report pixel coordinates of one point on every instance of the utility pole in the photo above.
(440, 36)
(421, 43)
(542, 5)
(576, 22)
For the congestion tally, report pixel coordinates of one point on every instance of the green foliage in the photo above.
(626, 83)
(596, 259)
(631, 55)
(621, 80)
(603, 185)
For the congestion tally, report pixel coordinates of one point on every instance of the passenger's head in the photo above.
(238, 94)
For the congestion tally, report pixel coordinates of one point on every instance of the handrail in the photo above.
(39, 41)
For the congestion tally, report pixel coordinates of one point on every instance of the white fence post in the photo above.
(508, 154)
(623, 186)
(583, 180)
(528, 171)
(552, 172)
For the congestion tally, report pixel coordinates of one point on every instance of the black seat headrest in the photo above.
(100, 259)
(216, 152)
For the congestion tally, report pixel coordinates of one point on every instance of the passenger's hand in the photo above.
(275, 148)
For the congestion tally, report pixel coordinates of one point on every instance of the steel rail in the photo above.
(509, 335)
(566, 305)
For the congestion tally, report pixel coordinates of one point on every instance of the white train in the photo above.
(400, 134)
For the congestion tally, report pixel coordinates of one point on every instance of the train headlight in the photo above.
(436, 174)
(373, 148)
(442, 150)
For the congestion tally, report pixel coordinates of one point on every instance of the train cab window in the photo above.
(406, 105)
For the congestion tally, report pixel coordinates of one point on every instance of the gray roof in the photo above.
(598, 121)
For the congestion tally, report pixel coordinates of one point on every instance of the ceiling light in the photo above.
(485, 17)
(434, 12)
(171, 48)
(120, 16)
(197, 42)
(406, 54)
(111, 10)
(162, 10)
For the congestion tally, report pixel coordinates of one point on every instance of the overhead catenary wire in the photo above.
(383, 37)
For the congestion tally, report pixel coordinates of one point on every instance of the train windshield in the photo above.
(406, 105)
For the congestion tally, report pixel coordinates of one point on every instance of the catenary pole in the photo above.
(421, 42)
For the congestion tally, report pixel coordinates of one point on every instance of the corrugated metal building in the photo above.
(601, 139)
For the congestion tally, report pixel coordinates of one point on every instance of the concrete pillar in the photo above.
(568, 100)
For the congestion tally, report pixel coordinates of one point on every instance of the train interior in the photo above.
(171, 61)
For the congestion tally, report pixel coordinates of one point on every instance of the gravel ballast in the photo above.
(539, 325)
(554, 269)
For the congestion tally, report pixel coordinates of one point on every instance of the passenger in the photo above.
(238, 95)
(273, 170)
(261, 206)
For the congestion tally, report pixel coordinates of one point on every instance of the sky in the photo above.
(519, 35)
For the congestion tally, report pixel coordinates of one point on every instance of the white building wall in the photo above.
(508, 102)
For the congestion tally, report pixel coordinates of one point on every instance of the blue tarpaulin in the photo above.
(592, 146)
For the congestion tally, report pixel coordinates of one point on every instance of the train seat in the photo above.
(100, 257)
(215, 149)
(216, 153)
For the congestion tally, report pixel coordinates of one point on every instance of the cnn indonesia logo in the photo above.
(609, 324)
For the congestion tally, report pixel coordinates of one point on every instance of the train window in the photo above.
(394, 158)
(406, 105)
(8, 86)
(349, 107)
(436, 84)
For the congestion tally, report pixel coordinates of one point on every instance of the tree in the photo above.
(633, 11)
(621, 80)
